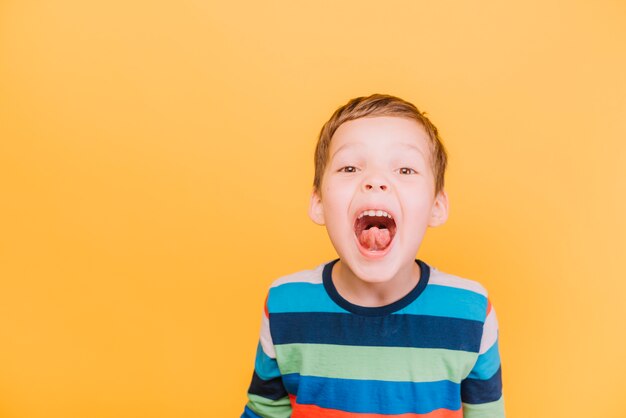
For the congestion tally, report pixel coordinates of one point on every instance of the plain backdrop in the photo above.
(156, 163)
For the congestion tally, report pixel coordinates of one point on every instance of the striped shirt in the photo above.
(431, 354)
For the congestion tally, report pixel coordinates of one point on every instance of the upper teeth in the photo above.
(374, 213)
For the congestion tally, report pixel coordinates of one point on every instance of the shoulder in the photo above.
(463, 297)
(313, 276)
(297, 284)
(440, 278)
(300, 291)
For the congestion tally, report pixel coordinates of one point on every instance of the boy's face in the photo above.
(378, 163)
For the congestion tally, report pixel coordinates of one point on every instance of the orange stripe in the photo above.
(267, 314)
(488, 306)
(314, 411)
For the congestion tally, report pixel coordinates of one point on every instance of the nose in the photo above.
(375, 183)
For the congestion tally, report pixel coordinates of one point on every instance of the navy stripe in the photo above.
(374, 396)
(477, 391)
(396, 330)
(272, 389)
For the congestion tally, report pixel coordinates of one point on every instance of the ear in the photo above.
(316, 209)
(439, 212)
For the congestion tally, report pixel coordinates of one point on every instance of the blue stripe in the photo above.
(487, 363)
(374, 396)
(435, 300)
(449, 301)
(265, 366)
(249, 413)
(301, 297)
(482, 391)
(383, 331)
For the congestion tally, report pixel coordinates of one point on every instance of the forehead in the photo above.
(380, 134)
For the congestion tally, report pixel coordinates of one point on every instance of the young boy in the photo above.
(376, 332)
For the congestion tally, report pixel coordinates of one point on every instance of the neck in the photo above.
(368, 294)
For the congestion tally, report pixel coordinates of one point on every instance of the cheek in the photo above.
(336, 206)
(417, 209)
(336, 194)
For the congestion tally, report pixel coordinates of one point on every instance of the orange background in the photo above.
(156, 161)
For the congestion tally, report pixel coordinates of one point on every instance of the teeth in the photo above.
(372, 212)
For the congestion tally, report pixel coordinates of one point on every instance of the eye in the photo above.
(349, 167)
(407, 168)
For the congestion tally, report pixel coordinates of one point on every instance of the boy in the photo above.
(376, 332)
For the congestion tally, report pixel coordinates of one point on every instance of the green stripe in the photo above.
(265, 407)
(493, 409)
(397, 364)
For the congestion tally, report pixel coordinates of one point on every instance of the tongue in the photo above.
(375, 239)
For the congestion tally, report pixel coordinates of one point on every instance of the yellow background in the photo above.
(156, 160)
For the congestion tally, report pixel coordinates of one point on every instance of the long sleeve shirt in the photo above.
(432, 354)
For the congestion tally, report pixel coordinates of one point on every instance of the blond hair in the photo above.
(379, 105)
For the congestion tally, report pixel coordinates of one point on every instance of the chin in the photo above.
(374, 279)
(379, 271)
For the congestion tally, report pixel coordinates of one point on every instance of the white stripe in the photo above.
(438, 277)
(490, 332)
(305, 276)
(266, 338)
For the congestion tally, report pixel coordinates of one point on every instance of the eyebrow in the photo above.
(339, 149)
(413, 147)
(406, 146)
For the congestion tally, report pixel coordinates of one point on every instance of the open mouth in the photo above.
(374, 233)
